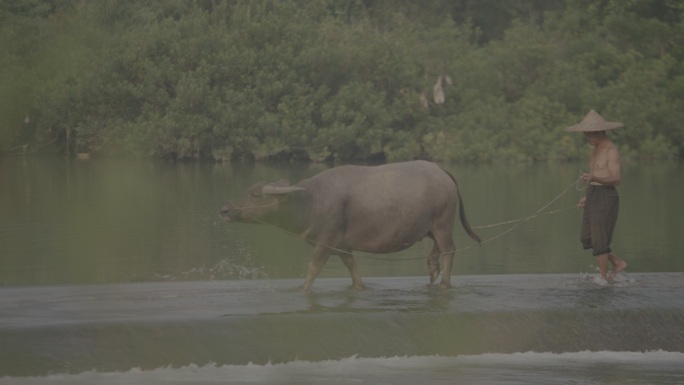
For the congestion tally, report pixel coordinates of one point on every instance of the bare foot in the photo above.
(617, 268)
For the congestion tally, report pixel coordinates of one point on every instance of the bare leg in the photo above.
(350, 262)
(433, 263)
(603, 264)
(618, 265)
(319, 258)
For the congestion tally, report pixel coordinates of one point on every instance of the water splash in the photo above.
(226, 269)
(621, 280)
(239, 265)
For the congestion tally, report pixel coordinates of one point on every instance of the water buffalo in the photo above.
(375, 209)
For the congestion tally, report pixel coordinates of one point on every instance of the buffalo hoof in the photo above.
(357, 287)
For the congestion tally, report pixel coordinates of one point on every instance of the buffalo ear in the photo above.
(276, 189)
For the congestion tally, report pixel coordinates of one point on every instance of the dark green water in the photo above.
(106, 221)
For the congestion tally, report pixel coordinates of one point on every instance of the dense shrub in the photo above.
(457, 81)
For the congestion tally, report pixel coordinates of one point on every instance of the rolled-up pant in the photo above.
(599, 218)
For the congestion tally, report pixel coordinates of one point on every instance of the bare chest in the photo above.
(598, 163)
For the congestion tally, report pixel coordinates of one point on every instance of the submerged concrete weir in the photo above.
(71, 329)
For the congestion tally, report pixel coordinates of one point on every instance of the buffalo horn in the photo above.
(270, 189)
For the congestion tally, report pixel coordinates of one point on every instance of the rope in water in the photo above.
(526, 218)
(520, 221)
(517, 223)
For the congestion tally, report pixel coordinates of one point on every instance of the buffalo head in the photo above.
(258, 201)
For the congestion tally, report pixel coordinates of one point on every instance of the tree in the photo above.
(339, 80)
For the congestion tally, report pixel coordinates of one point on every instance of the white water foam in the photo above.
(591, 368)
(621, 280)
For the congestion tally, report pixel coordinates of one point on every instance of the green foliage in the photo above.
(331, 80)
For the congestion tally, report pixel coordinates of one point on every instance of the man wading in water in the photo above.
(601, 202)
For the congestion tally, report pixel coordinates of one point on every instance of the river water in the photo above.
(118, 271)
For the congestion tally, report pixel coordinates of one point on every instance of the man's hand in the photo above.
(582, 202)
(586, 178)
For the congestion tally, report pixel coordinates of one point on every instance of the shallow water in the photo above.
(269, 331)
(121, 272)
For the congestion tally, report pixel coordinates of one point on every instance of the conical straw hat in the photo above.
(593, 122)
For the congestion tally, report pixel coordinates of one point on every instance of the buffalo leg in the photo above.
(447, 261)
(447, 247)
(350, 263)
(433, 263)
(319, 258)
